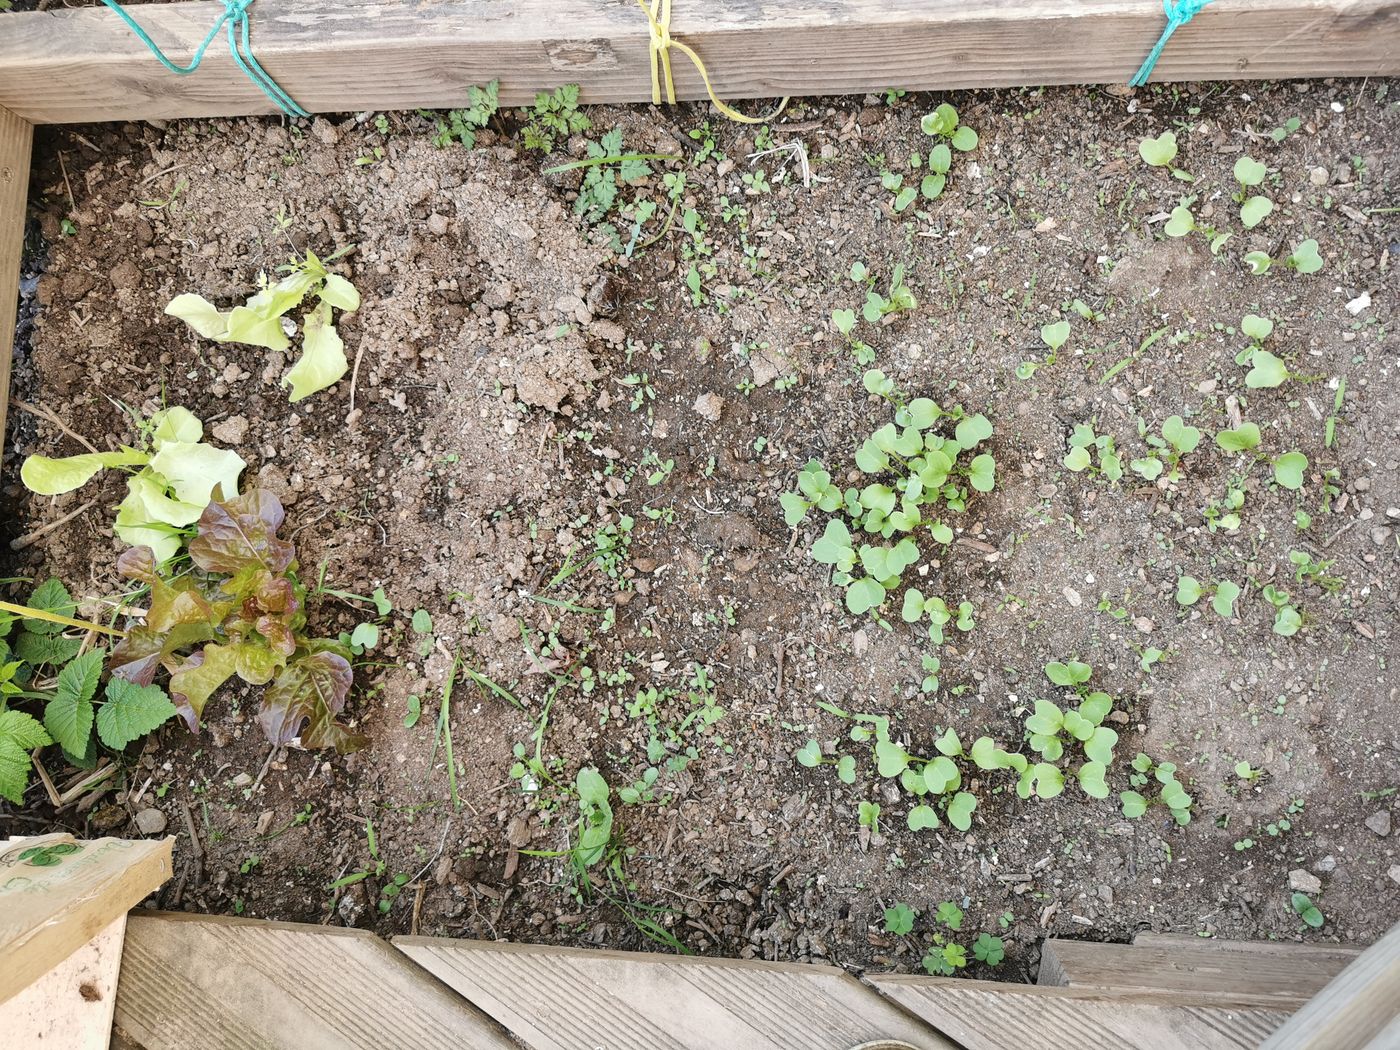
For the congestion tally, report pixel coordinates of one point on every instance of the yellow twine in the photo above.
(43, 614)
(659, 19)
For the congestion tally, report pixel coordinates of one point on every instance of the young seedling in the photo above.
(1253, 210)
(1158, 152)
(1054, 336)
(1243, 438)
(1172, 795)
(1189, 591)
(1267, 372)
(1329, 429)
(1048, 722)
(1079, 458)
(943, 122)
(1258, 329)
(1182, 222)
(1305, 909)
(1287, 619)
(1306, 570)
(1305, 259)
(1176, 441)
(914, 470)
(258, 322)
(811, 757)
(1246, 772)
(1289, 469)
(898, 299)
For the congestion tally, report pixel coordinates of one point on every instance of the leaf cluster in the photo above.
(238, 612)
(177, 477)
(259, 321)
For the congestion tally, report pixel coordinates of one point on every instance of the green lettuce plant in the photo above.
(258, 322)
(238, 612)
(178, 475)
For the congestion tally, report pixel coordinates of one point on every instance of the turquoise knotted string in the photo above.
(235, 20)
(1179, 12)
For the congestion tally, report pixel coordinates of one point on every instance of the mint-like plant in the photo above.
(258, 322)
(239, 612)
(40, 663)
(178, 476)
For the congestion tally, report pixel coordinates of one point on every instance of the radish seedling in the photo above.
(1189, 591)
(1289, 469)
(1287, 619)
(1306, 910)
(1258, 329)
(1158, 152)
(1306, 570)
(1172, 794)
(1176, 441)
(943, 122)
(1078, 458)
(1253, 210)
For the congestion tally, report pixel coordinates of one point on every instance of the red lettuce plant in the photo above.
(239, 611)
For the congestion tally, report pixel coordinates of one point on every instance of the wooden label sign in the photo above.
(57, 893)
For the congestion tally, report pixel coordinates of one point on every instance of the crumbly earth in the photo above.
(522, 391)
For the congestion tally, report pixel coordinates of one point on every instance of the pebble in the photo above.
(1360, 303)
(150, 822)
(1325, 864)
(1072, 596)
(242, 780)
(1379, 822)
(437, 224)
(1395, 873)
(709, 406)
(230, 431)
(1318, 176)
(1304, 881)
(1379, 534)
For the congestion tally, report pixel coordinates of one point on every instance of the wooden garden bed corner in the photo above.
(16, 138)
(343, 55)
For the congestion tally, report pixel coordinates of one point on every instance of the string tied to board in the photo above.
(234, 21)
(1179, 12)
(659, 19)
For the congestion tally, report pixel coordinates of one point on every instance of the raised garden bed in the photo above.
(530, 382)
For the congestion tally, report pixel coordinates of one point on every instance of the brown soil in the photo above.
(500, 422)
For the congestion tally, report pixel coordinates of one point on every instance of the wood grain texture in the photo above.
(1359, 1009)
(1240, 972)
(49, 911)
(219, 983)
(576, 999)
(16, 141)
(337, 55)
(992, 1015)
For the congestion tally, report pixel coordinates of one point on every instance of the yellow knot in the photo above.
(659, 19)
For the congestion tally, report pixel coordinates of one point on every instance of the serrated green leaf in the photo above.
(131, 711)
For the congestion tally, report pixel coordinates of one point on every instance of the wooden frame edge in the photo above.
(16, 152)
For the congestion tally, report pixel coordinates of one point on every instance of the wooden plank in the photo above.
(337, 55)
(57, 894)
(71, 1005)
(221, 983)
(16, 142)
(1359, 1009)
(1222, 971)
(577, 999)
(991, 1015)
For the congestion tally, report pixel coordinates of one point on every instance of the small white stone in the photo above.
(1361, 302)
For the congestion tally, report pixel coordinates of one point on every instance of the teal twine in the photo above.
(1178, 14)
(235, 18)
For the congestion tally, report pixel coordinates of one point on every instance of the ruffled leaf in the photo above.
(239, 533)
(305, 700)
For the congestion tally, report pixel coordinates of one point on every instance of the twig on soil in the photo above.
(72, 204)
(778, 690)
(84, 784)
(195, 847)
(44, 777)
(267, 763)
(45, 414)
(355, 379)
(417, 910)
(1333, 538)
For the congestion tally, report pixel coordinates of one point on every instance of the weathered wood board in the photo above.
(338, 55)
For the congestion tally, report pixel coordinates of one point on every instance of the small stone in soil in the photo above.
(709, 406)
(1304, 881)
(1379, 822)
(150, 822)
(1326, 864)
